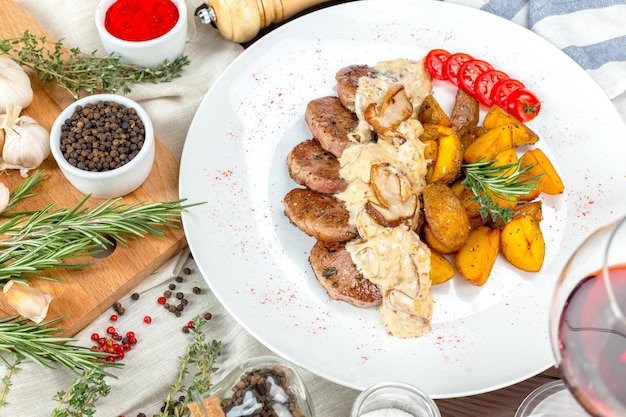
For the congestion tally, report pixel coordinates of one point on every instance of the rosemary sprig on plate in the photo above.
(78, 72)
(508, 181)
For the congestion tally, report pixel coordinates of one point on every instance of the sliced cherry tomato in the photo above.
(502, 89)
(484, 84)
(453, 64)
(523, 104)
(434, 63)
(469, 72)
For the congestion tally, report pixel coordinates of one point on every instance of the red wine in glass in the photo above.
(592, 343)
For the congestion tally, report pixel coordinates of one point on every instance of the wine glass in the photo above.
(588, 332)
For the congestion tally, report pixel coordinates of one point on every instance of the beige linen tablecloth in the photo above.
(153, 364)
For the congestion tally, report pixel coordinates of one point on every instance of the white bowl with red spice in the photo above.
(145, 33)
(104, 145)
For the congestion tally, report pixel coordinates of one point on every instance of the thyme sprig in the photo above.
(78, 72)
(44, 239)
(81, 397)
(487, 180)
(202, 356)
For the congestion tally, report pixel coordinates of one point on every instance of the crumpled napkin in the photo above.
(591, 32)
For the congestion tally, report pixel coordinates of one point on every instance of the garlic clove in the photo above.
(27, 301)
(15, 87)
(5, 195)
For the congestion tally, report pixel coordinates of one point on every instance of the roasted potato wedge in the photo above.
(465, 112)
(536, 192)
(476, 257)
(434, 243)
(466, 196)
(533, 209)
(489, 145)
(522, 243)
(550, 180)
(441, 269)
(506, 157)
(521, 134)
(447, 164)
(445, 216)
(430, 133)
(431, 112)
(470, 135)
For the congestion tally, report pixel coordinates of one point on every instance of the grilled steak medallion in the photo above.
(320, 215)
(330, 122)
(348, 81)
(311, 166)
(334, 269)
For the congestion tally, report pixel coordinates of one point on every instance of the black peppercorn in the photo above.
(102, 136)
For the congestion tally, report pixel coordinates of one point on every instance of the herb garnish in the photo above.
(507, 181)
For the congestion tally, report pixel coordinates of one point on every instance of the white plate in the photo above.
(255, 261)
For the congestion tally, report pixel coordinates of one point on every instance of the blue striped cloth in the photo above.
(591, 32)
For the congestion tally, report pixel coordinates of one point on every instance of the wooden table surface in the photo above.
(500, 403)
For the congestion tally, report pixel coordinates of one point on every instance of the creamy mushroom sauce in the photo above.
(394, 258)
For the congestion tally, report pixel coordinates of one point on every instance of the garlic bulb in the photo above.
(26, 144)
(27, 301)
(15, 85)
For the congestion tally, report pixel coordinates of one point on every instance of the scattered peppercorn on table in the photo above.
(143, 298)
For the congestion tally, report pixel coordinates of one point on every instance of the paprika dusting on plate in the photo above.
(140, 20)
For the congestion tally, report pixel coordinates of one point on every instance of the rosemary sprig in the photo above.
(23, 191)
(44, 239)
(22, 339)
(487, 180)
(202, 356)
(78, 72)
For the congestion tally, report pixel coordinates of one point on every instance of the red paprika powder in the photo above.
(140, 20)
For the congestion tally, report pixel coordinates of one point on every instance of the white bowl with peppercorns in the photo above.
(104, 145)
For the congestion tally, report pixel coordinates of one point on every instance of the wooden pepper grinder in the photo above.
(241, 20)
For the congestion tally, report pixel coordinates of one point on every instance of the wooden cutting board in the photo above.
(85, 294)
